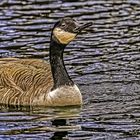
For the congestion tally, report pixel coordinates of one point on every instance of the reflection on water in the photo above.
(105, 62)
(24, 122)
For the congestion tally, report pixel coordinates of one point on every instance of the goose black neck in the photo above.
(59, 72)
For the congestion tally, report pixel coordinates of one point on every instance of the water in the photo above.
(105, 63)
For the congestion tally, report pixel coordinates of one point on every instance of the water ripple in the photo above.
(104, 61)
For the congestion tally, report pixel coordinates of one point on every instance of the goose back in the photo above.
(23, 80)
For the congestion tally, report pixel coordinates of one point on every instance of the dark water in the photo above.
(105, 63)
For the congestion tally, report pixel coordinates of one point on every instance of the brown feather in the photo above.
(23, 80)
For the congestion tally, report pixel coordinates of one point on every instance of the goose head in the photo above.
(67, 29)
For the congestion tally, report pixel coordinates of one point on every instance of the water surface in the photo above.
(104, 61)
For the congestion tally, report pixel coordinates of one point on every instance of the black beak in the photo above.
(82, 27)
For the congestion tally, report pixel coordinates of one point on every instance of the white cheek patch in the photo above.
(63, 36)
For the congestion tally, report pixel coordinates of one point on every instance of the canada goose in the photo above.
(34, 81)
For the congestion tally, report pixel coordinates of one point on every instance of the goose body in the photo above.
(35, 81)
(29, 82)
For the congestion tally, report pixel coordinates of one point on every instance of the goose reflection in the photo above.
(60, 134)
(54, 123)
